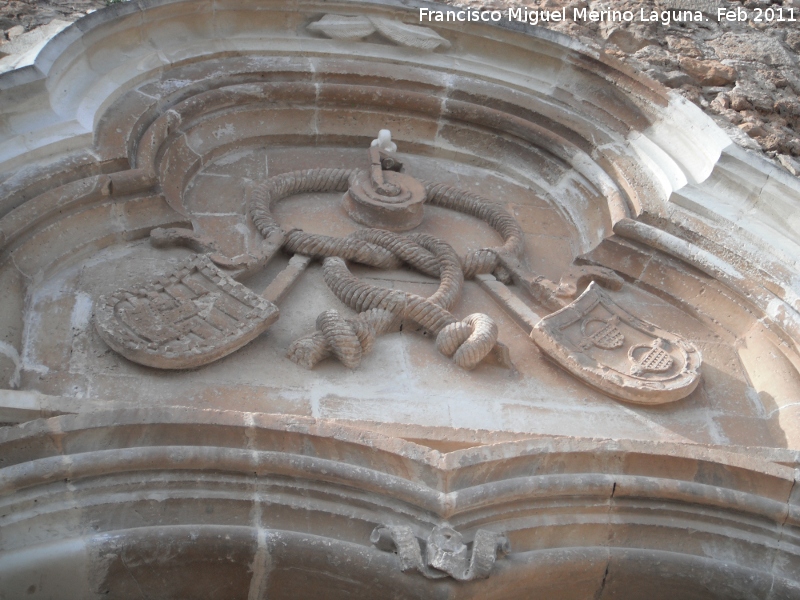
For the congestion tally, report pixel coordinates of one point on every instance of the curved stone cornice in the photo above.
(121, 484)
(574, 103)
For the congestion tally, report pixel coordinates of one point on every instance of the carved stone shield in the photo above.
(186, 319)
(633, 360)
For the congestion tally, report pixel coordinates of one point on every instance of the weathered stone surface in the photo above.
(246, 524)
(752, 47)
(709, 73)
(762, 54)
(542, 167)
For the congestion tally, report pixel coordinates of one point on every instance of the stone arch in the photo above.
(130, 505)
(107, 134)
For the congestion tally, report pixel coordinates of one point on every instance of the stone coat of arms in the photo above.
(598, 341)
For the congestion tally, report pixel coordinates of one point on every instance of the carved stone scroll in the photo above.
(601, 343)
(342, 27)
(412, 36)
(446, 554)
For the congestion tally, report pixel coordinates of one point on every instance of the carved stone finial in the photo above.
(384, 141)
(384, 197)
(446, 554)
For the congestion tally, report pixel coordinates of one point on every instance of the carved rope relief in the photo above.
(200, 313)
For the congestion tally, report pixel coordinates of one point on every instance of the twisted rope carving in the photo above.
(349, 248)
(264, 196)
(484, 260)
(431, 313)
(346, 339)
(380, 310)
(468, 341)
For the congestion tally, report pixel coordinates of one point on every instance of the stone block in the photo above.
(56, 569)
(191, 562)
(640, 575)
(707, 72)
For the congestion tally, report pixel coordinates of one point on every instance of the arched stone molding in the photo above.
(566, 99)
(226, 504)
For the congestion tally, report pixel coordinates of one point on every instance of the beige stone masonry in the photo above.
(191, 212)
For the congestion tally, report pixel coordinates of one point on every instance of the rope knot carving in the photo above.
(343, 337)
(348, 340)
(485, 260)
(380, 310)
(468, 341)
(480, 261)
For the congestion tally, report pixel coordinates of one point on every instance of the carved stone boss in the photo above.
(200, 313)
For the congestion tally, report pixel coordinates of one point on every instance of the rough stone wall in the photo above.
(26, 25)
(30, 14)
(746, 75)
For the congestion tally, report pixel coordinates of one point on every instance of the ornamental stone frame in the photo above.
(572, 371)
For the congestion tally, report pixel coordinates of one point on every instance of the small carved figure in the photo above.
(446, 554)
(384, 141)
(384, 198)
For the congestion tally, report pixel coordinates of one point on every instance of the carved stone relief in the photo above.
(603, 344)
(193, 316)
(342, 27)
(446, 554)
(200, 313)
(250, 472)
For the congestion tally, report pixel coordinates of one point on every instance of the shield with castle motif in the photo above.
(607, 347)
(186, 319)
